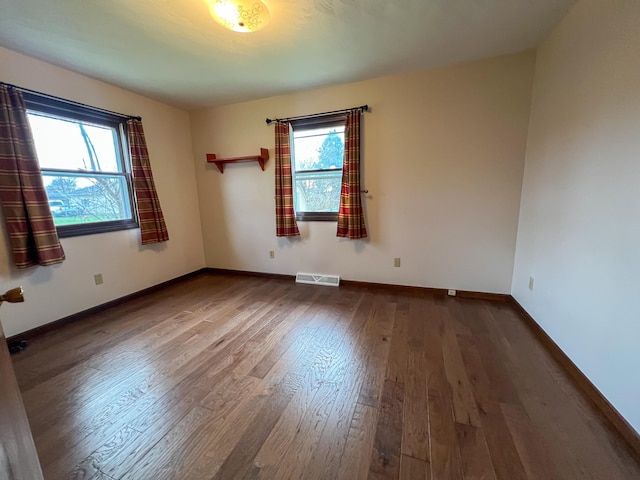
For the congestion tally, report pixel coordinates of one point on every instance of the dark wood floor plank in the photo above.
(325, 462)
(193, 444)
(308, 434)
(58, 447)
(385, 456)
(304, 323)
(444, 451)
(281, 437)
(59, 395)
(228, 391)
(302, 424)
(414, 469)
(464, 405)
(198, 453)
(415, 432)
(231, 376)
(278, 441)
(533, 450)
(379, 331)
(274, 340)
(91, 466)
(354, 462)
(397, 359)
(504, 454)
(101, 476)
(238, 462)
(336, 383)
(158, 462)
(154, 424)
(474, 452)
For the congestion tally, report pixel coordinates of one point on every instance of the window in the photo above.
(317, 158)
(84, 166)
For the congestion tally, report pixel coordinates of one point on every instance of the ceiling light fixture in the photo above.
(240, 15)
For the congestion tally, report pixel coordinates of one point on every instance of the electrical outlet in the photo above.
(272, 254)
(531, 283)
(396, 262)
(98, 279)
(451, 292)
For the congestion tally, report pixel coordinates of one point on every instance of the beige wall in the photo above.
(579, 232)
(443, 154)
(54, 292)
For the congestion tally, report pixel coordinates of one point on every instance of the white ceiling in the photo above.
(172, 50)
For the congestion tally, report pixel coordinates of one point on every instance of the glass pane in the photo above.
(318, 148)
(78, 199)
(72, 145)
(317, 192)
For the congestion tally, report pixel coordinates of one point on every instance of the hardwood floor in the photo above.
(227, 376)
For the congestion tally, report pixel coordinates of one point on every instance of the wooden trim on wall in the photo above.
(48, 327)
(390, 286)
(591, 391)
(245, 273)
(495, 297)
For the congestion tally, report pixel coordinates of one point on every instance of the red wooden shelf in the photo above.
(220, 162)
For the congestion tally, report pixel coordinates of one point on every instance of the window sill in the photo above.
(67, 231)
(317, 217)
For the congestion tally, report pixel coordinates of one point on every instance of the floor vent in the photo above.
(316, 279)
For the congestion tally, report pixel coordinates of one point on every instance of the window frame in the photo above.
(325, 121)
(54, 107)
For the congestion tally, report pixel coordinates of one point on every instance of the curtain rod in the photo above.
(78, 104)
(362, 108)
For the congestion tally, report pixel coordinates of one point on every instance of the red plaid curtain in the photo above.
(286, 225)
(32, 233)
(350, 216)
(152, 226)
